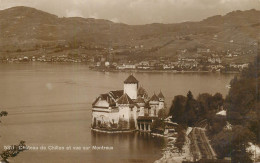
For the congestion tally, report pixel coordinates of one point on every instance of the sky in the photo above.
(137, 11)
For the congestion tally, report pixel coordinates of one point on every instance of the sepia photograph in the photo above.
(129, 81)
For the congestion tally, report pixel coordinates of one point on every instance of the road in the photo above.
(200, 146)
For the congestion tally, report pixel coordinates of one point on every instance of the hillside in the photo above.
(29, 31)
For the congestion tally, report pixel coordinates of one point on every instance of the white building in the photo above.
(126, 109)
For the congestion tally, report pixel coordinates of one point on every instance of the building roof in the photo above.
(131, 79)
(145, 118)
(125, 99)
(105, 97)
(160, 95)
(116, 94)
(142, 92)
(140, 100)
(154, 98)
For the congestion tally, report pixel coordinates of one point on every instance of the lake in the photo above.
(49, 105)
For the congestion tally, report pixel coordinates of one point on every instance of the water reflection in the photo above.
(129, 146)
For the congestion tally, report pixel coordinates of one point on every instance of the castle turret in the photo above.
(161, 100)
(131, 87)
(154, 104)
(142, 92)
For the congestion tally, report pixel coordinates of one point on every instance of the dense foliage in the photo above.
(232, 134)
(158, 124)
(3, 113)
(188, 111)
(243, 100)
(233, 143)
(243, 113)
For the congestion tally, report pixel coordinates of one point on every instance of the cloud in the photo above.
(138, 11)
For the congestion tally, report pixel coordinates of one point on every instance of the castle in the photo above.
(127, 109)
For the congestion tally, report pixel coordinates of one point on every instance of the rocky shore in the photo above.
(170, 153)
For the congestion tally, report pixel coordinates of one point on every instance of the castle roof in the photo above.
(131, 79)
(105, 97)
(139, 100)
(160, 95)
(142, 92)
(154, 98)
(125, 99)
(116, 94)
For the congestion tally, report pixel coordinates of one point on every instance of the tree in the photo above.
(243, 97)
(233, 143)
(191, 102)
(242, 104)
(162, 114)
(189, 96)
(241, 137)
(254, 126)
(190, 109)
(217, 101)
(158, 125)
(241, 156)
(13, 151)
(177, 109)
(204, 101)
(3, 113)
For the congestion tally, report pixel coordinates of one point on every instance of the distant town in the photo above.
(205, 60)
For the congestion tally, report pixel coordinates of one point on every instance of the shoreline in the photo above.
(126, 70)
(112, 132)
(170, 154)
(164, 71)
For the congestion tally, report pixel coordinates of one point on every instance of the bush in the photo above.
(158, 124)
(232, 142)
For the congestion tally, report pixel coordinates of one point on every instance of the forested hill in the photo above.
(27, 30)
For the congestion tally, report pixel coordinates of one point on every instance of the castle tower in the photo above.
(154, 104)
(131, 87)
(142, 93)
(161, 100)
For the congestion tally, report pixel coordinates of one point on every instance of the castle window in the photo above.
(131, 109)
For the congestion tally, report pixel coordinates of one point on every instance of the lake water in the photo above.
(50, 105)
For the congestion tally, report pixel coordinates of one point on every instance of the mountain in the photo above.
(30, 31)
